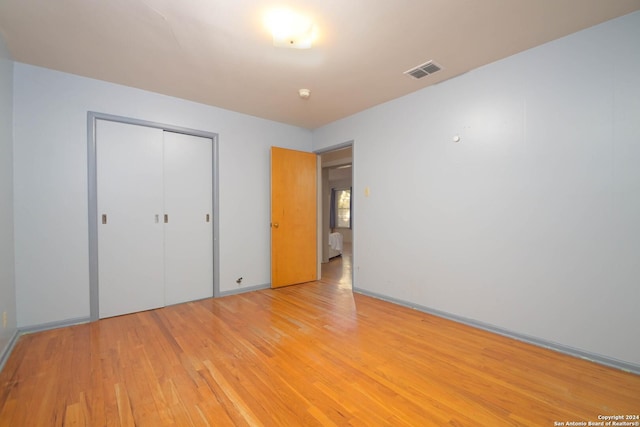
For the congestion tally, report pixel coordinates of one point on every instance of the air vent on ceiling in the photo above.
(423, 70)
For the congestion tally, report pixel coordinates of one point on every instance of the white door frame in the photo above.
(92, 117)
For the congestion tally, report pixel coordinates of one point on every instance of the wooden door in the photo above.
(293, 217)
(130, 207)
(188, 205)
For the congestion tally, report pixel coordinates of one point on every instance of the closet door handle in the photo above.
(207, 217)
(104, 218)
(166, 218)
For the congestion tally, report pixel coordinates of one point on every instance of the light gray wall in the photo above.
(7, 283)
(532, 222)
(50, 161)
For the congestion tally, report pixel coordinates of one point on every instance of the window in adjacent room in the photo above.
(340, 208)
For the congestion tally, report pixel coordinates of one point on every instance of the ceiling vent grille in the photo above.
(423, 70)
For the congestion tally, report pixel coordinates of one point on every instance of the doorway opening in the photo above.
(337, 216)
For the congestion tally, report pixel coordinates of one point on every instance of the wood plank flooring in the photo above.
(306, 355)
(339, 270)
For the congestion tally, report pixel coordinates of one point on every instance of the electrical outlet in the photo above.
(4, 319)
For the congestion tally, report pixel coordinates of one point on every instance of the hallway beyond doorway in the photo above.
(339, 270)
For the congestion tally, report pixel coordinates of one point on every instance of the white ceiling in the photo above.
(218, 52)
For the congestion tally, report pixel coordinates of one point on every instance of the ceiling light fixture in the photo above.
(290, 29)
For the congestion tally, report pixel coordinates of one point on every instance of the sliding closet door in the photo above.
(130, 208)
(188, 233)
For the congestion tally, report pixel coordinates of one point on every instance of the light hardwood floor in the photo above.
(312, 354)
(339, 270)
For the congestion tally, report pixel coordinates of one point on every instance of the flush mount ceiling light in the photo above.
(290, 29)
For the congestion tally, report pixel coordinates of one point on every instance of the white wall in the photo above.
(50, 161)
(532, 222)
(7, 284)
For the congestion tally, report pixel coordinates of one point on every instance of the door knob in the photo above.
(276, 225)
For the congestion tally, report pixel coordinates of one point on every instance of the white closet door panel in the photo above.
(189, 232)
(130, 244)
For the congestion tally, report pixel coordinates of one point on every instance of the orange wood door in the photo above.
(293, 217)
